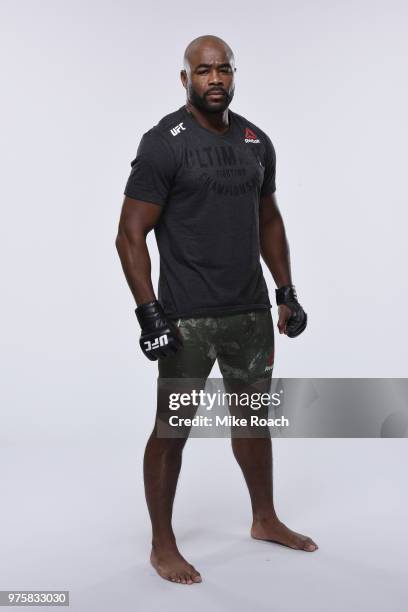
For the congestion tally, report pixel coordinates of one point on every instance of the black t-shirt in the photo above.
(209, 187)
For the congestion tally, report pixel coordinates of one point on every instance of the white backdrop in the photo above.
(82, 81)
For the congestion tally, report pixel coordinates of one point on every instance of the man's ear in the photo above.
(183, 77)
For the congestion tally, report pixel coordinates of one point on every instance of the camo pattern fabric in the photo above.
(242, 343)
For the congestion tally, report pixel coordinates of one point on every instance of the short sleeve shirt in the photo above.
(208, 186)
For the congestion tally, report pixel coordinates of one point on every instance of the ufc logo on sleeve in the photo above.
(177, 129)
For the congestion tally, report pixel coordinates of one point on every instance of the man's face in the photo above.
(209, 78)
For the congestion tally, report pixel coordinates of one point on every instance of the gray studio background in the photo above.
(81, 82)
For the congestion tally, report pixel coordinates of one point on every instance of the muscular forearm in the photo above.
(275, 250)
(136, 264)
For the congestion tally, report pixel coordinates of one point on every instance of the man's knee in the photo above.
(167, 445)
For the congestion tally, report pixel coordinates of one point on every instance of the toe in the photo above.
(310, 545)
(196, 577)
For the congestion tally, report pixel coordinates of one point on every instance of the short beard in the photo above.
(201, 102)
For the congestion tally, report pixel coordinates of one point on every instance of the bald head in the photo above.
(208, 73)
(208, 41)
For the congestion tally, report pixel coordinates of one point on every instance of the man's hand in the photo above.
(160, 337)
(292, 317)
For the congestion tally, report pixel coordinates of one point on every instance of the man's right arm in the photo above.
(159, 337)
(146, 195)
(137, 219)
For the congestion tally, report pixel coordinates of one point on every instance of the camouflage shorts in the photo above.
(242, 343)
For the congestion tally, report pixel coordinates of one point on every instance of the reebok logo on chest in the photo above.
(250, 136)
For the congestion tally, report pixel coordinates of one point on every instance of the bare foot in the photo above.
(171, 565)
(273, 530)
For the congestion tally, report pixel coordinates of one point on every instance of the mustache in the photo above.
(216, 90)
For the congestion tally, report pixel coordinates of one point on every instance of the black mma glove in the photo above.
(298, 321)
(160, 337)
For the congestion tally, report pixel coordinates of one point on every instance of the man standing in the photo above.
(204, 179)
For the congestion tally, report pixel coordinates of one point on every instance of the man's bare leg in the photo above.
(161, 466)
(254, 456)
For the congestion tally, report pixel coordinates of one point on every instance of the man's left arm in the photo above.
(274, 244)
(275, 253)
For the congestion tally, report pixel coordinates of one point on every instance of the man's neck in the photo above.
(215, 122)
